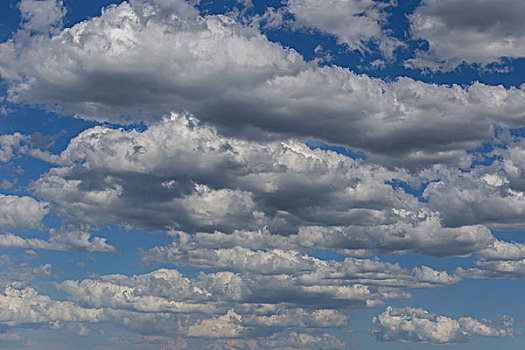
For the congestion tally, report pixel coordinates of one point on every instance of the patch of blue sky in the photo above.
(410, 188)
(316, 144)
(517, 132)
(326, 254)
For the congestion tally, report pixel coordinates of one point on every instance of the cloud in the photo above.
(500, 260)
(354, 23)
(248, 295)
(26, 306)
(301, 266)
(14, 144)
(482, 196)
(293, 341)
(480, 32)
(20, 212)
(418, 325)
(68, 241)
(41, 15)
(165, 303)
(204, 182)
(142, 60)
(10, 144)
(20, 276)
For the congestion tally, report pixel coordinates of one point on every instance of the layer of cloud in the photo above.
(145, 59)
(201, 180)
(20, 275)
(164, 303)
(478, 32)
(500, 260)
(418, 325)
(21, 212)
(305, 268)
(204, 182)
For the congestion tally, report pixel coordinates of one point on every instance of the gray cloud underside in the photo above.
(201, 181)
(471, 31)
(418, 325)
(144, 56)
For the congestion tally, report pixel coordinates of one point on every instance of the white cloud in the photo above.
(20, 212)
(467, 31)
(304, 268)
(353, 22)
(41, 15)
(65, 241)
(26, 306)
(13, 144)
(214, 305)
(418, 325)
(19, 276)
(216, 293)
(500, 260)
(10, 144)
(201, 181)
(157, 58)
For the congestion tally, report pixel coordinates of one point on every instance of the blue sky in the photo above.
(296, 174)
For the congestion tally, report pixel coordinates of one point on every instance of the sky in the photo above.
(245, 174)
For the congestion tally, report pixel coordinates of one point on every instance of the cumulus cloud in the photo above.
(21, 212)
(141, 60)
(10, 144)
(418, 325)
(254, 297)
(41, 15)
(500, 260)
(478, 32)
(64, 241)
(204, 182)
(165, 303)
(20, 275)
(482, 196)
(15, 144)
(26, 306)
(304, 267)
(245, 200)
(353, 22)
